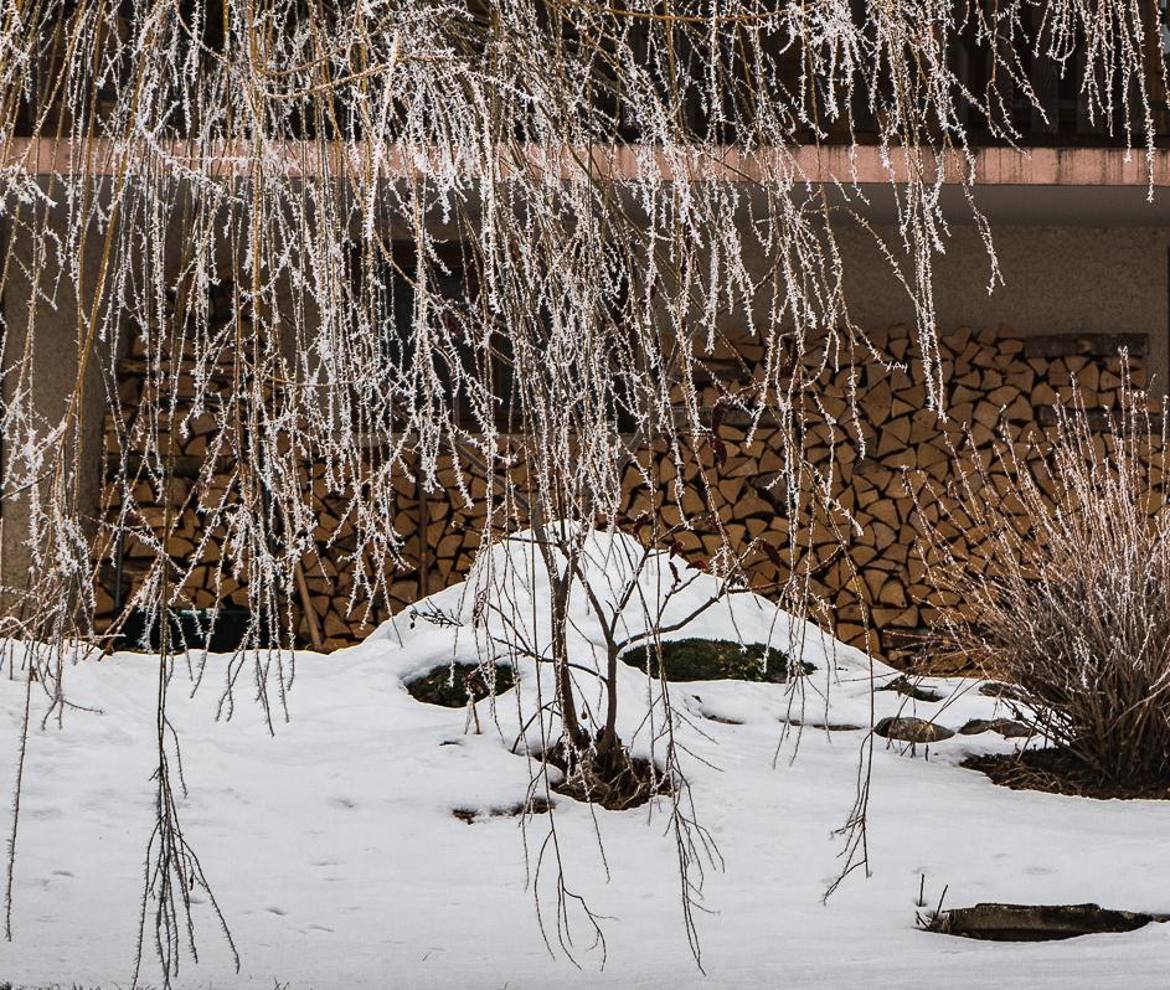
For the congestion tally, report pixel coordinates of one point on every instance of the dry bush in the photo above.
(1065, 589)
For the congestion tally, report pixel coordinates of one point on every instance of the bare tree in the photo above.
(633, 596)
(231, 183)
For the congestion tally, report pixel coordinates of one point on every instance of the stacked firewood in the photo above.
(864, 560)
(860, 560)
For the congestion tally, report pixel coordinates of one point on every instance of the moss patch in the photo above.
(717, 660)
(439, 687)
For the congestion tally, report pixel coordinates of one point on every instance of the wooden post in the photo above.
(307, 605)
(424, 518)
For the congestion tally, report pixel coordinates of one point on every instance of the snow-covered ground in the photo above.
(332, 848)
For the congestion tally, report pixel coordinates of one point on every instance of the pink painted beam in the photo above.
(806, 163)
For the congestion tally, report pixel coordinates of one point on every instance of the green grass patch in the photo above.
(439, 687)
(717, 660)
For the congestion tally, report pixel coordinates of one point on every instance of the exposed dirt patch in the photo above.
(615, 781)
(722, 719)
(823, 726)
(717, 660)
(905, 686)
(911, 730)
(1006, 727)
(535, 806)
(997, 689)
(1057, 771)
(1035, 922)
(450, 687)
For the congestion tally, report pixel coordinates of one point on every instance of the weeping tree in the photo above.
(496, 241)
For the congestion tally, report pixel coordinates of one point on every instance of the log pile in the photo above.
(143, 525)
(899, 464)
(873, 590)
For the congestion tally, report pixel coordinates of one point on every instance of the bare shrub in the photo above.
(1065, 585)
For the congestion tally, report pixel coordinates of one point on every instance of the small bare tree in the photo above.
(628, 594)
(631, 596)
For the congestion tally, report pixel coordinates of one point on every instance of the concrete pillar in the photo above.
(44, 325)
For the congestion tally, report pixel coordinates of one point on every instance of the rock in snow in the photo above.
(1009, 728)
(914, 730)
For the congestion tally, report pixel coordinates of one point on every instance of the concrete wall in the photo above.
(44, 329)
(1064, 279)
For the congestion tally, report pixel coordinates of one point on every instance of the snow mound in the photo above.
(334, 850)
